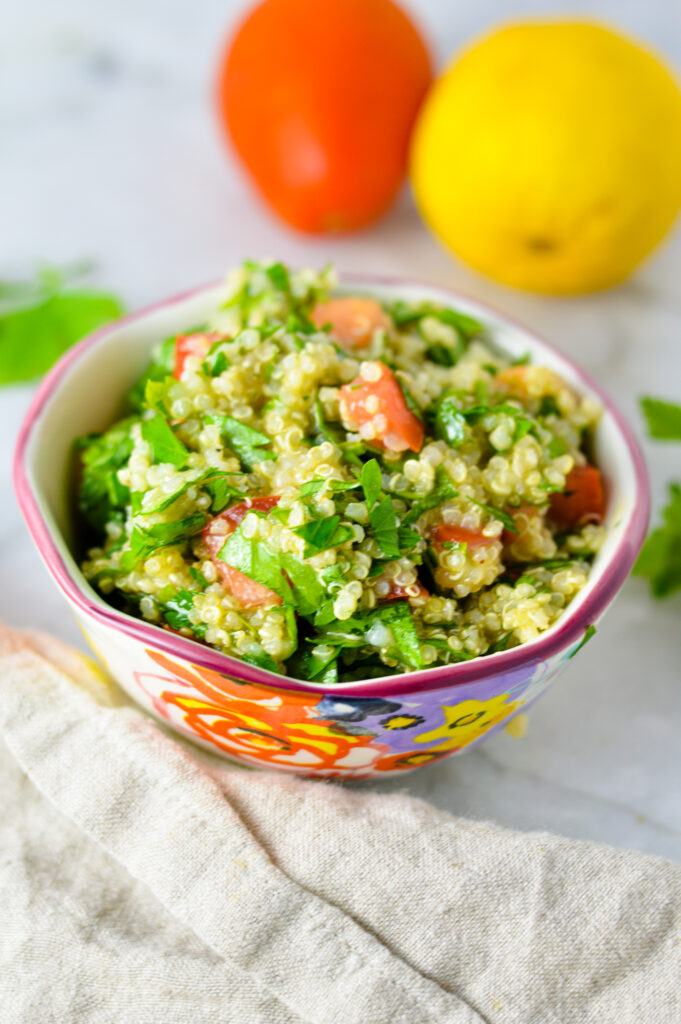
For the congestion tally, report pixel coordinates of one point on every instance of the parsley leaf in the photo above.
(407, 538)
(216, 363)
(330, 431)
(660, 559)
(198, 577)
(278, 275)
(321, 534)
(443, 355)
(176, 606)
(319, 483)
(296, 583)
(101, 456)
(255, 560)
(588, 633)
(370, 479)
(499, 645)
(259, 657)
(220, 490)
(165, 447)
(211, 480)
(144, 540)
(443, 491)
(248, 444)
(308, 664)
(381, 512)
(499, 514)
(39, 322)
(308, 593)
(406, 314)
(548, 406)
(154, 396)
(161, 366)
(664, 418)
(396, 616)
(384, 525)
(448, 423)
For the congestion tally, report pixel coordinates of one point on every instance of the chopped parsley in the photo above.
(100, 494)
(332, 432)
(663, 419)
(176, 605)
(449, 423)
(259, 657)
(144, 540)
(216, 363)
(321, 534)
(499, 514)
(41, 319)
(396, 616)
(165, 447)
(588, 633)
(382, 515)
(248, 444)
(660, 559)
(320, 483)
(443, 491)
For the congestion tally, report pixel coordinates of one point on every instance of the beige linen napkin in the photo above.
(144, 882)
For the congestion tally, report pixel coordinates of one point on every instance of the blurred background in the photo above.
(111, 146)
(111, 151)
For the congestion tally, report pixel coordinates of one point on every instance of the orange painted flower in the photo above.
(265, 724)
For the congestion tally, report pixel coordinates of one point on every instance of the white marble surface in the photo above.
(110, 150)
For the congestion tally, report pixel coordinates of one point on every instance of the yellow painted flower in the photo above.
(465, 722)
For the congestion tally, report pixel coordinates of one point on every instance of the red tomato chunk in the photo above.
(582, 501)
(446, 534)
(353, 320)
(192, 345)
(375, 401)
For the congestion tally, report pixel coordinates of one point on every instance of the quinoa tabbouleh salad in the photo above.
(338, 488)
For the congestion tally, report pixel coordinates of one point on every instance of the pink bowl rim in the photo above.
(569, 631)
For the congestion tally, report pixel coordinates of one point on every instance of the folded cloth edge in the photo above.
(154, 809)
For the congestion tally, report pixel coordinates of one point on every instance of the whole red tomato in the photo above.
(319, 98)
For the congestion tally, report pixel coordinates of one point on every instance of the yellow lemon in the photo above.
(548, 155)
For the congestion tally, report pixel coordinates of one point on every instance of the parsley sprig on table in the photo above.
(660, 558)
(41, 319)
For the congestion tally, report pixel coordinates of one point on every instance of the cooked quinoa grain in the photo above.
(336, 489)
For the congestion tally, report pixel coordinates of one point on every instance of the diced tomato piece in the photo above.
(248, 592)
(513, 378)
(582, 501)
(192, 345)
(447, 533)
(398, 592)
(376, 399)
(353, 320)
